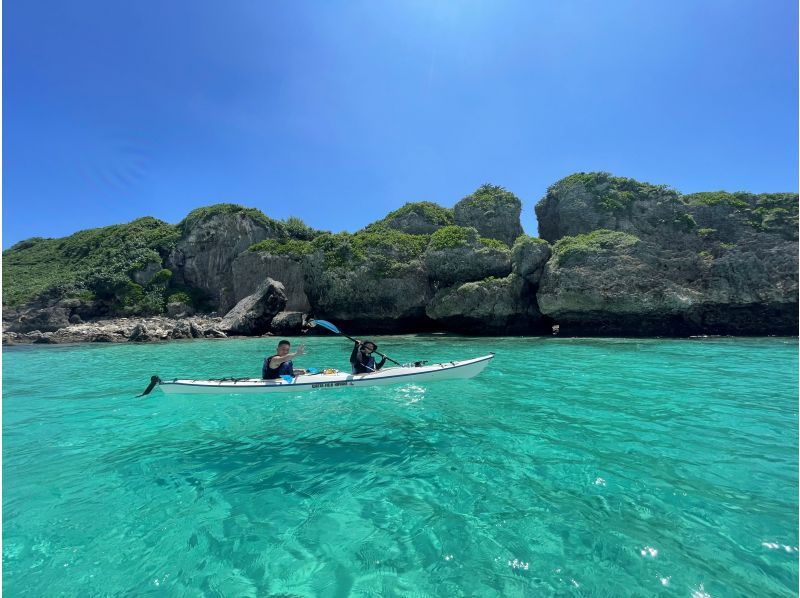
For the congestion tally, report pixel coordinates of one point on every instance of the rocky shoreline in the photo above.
(615, 257)
(123, 330)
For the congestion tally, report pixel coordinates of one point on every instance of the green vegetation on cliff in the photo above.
(526, 239)
(297, 229)
(98, 260)
(598, 241)
(426, 210)
(349, 250)
(716, 198)
(775, 212)
(288, 247)
(488, 197)
(452, 236)
(493, 243)
(612, 193)
(199, 215)
(401, 246)
(766, 212)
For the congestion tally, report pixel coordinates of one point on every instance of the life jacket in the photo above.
(366, 367)
(284, 369)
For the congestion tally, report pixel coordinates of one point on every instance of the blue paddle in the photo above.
(327, 325)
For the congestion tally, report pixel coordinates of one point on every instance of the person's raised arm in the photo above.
(277, 360)
(380, 364)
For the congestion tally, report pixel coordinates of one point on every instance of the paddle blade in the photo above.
(153, 381)
(328, 325)
(289, 379)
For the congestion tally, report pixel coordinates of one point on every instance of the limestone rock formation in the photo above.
(583, 202)
(287, 323)
(713, 263)
(493, 211)
(203, 257)
(253, 314)
(617, 257)
(528, 258)
(251, 268)
(420, 218)
(121, 330)
(367, 298)
(492, 306)
(179, 309)
(46, 319)
(465, 259)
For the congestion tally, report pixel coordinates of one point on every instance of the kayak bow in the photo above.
(452, 370)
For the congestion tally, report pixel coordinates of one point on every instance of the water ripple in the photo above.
(605, 467)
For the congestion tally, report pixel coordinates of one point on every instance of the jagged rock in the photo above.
(469, 261)
(69, 302)
(366, 299)
(204, 256)
(48, 319)
(494, 306)
(214, 333)
(139, 334)
(45, 338)
(182, 329)
(583, 202)
(104, 337)
(179, 309)
(616, 284)
(493, 212)
(420, 218)
(706, 263)
(287, 323)
(120, 330)
(253, 314)
(528, 257)
(251, 269)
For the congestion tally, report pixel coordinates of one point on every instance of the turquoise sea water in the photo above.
(570, 467)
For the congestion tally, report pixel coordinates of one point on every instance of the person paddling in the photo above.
(280, 364)
(362, 360)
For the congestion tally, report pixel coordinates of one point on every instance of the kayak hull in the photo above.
(452, 370)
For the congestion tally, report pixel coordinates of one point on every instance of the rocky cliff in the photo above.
(616, 257)
(636, 259)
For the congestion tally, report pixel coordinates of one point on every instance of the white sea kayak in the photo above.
(452, 370)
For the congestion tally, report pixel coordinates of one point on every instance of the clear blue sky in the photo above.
(339, 112)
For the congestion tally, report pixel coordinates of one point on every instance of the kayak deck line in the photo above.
(450, 370)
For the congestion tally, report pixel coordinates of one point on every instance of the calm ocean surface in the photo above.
(574, 467)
